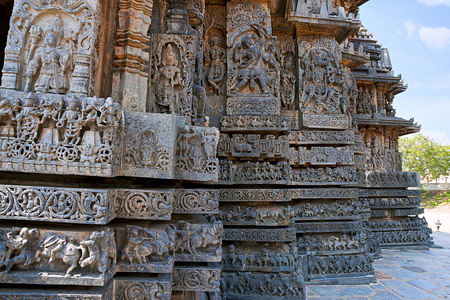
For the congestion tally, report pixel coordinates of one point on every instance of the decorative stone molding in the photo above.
(312, 137)
(196, 201)
(261, 215)
(325, 121)
(393, 179)
(328, 175)
(324, 193)
(338, 265)
(91, 293)
(196, 279)
(245, 285)
(145, 204)
(317, 156)
(253, 145)
(260, 235)
(317, 227)
(126, 288)
(65, 205)
(258, 259)
(387, 193)
(254, 123)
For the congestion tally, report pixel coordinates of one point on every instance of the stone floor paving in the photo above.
(401, 274)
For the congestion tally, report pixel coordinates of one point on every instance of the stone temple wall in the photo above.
(191, 149)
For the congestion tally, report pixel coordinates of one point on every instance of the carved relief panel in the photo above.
(172, 74)
(253, 81)
(59, 135)
(215, 59)
(57, 256)
(51, 46)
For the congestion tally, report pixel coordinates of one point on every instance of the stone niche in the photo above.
(52, 46)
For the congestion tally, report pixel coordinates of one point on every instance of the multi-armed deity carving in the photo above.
(87, 256)
(253, 60)
(172, 74)
(325, 85)
(51, 47)
(53, 129)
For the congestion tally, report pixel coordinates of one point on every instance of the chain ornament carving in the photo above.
(318, 227)
(254, 123)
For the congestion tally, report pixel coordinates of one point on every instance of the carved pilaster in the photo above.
(131, 57)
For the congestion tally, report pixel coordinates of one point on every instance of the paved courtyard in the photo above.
(401, 274)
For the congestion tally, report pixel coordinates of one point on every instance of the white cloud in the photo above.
(437, 38)
(410, 28)
(435, 2)
(438, 136)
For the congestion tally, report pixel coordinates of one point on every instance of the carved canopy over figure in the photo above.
(49, 65)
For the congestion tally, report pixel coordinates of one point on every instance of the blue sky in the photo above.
(417, 34)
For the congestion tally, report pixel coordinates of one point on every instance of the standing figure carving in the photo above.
(169, 77)
(51, 61)
(248, 56)
(215, 72)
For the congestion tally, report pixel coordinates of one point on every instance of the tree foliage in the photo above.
(425, 156)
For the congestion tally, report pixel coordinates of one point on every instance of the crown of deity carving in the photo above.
(56, 26)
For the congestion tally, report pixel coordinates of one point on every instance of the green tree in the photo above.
(425, 156)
